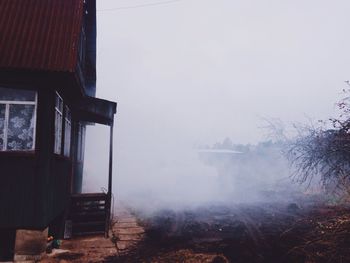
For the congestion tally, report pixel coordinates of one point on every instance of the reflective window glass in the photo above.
(58, 124)
(20, 129)
(17, 119)
(2, 125)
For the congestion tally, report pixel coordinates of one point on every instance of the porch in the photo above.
(90, 213)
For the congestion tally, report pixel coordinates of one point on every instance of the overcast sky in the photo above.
(197, 71)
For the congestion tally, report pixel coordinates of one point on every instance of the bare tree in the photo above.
(324, 151)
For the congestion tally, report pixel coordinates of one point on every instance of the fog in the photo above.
(193, 72)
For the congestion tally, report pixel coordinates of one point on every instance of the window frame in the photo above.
(7, 104)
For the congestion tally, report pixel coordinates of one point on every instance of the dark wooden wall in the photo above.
(35, 186)
(19, 204)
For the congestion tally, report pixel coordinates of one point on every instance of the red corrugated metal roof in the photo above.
(40, 34)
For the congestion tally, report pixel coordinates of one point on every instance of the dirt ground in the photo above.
(246, 233)
(241, 233)
(83, 249)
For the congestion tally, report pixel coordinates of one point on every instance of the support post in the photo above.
(110, 172)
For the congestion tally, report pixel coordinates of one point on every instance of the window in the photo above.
(67, 132)
(81, 142)
(63, 127)
(58, 123)
(17, 119)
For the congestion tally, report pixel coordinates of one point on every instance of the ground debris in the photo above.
(259, 233)
(246, 233)
(326, 238)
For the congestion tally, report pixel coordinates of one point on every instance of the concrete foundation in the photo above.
(30, 245)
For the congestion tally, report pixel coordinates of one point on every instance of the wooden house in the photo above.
(47, 97)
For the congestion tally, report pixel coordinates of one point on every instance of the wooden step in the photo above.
(88, 227)
(87, 207)
(89, 197)
(86, 217)
(91, 224)
(86, 233)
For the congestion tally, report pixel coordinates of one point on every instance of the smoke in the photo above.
(195, 72)
(170, 174)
